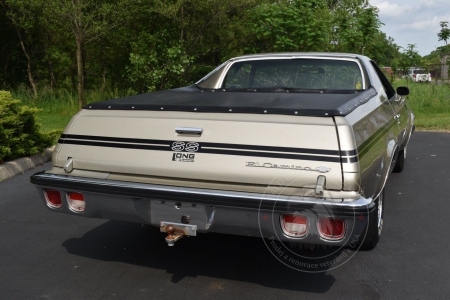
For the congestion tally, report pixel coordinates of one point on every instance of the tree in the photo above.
(85, 45)
(384, 51)
(210, 31)
(289, 26)
(25, 18)
(158, 62)
(88, 20)
(444, 34)
(12, 64)
(354, 26)
(409, 58)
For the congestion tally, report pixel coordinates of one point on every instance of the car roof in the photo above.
(300, 54)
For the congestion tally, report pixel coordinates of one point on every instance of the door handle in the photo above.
(189, 130)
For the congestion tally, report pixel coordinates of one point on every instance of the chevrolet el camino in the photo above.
(293, 145)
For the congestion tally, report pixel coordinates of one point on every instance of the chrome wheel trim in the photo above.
(380, 213)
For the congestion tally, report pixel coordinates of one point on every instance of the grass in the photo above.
(58, 106)
(430, 103)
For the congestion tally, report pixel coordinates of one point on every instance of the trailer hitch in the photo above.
(173, 235)
(176, 231)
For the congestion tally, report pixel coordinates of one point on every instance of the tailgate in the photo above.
(233, 148)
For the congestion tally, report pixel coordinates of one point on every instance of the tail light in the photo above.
(53, 198)
(331, 229)
(414, 75)
(76, 202)
(294, 225)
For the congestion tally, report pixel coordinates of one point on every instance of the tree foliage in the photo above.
(25, 18)
(158, 62)
(149, 45)
(289, 26)
(444, 34)
(409, 58)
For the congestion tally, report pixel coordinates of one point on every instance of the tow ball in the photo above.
(173, 235)
(176, 231)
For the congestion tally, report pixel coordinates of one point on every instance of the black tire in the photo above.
(374, 226)
(400, 163)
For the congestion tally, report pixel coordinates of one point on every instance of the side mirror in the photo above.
(403, 91)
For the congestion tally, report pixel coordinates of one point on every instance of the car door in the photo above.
(397, 103)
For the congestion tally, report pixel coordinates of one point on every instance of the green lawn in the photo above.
(430, 103)
(432, 121)
(52, 121)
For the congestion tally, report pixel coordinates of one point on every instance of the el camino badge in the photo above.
(286, 167)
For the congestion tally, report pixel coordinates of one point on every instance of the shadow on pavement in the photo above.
(214, 255)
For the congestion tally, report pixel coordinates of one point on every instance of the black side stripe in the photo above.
(364, 147)
(348, 160)
(227, 149)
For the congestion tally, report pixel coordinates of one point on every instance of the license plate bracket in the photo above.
(201, 216)
(187, 229)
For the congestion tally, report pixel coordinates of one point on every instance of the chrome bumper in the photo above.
(228, 212)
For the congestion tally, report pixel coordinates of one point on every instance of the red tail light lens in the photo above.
(294, 225)
(332, 229)
(53, 198)
(76, 202)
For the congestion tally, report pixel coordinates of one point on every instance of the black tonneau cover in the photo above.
(261, 101)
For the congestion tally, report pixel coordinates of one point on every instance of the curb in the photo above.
(20, 165)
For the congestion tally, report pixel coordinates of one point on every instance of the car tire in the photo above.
(400, 163)
(374, 225)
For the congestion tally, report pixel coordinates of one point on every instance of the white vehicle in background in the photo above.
(419, 75)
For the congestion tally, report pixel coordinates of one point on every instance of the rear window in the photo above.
(420, 72)
(295, 73)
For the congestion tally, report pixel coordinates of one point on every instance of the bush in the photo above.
(19, 132)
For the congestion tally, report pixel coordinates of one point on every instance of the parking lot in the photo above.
(56, 256)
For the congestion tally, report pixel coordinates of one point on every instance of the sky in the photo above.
(414, 22)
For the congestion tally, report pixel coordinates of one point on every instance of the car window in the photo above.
(238, 76)
(295, 73)
(390, 92)
(419, 72)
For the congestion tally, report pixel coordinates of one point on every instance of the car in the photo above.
(419, 75)
(295, 147)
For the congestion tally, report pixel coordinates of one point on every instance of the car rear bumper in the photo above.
(229, 212)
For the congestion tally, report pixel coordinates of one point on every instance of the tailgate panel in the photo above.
(253, 149)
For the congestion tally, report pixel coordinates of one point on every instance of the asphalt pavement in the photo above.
(46, 255)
